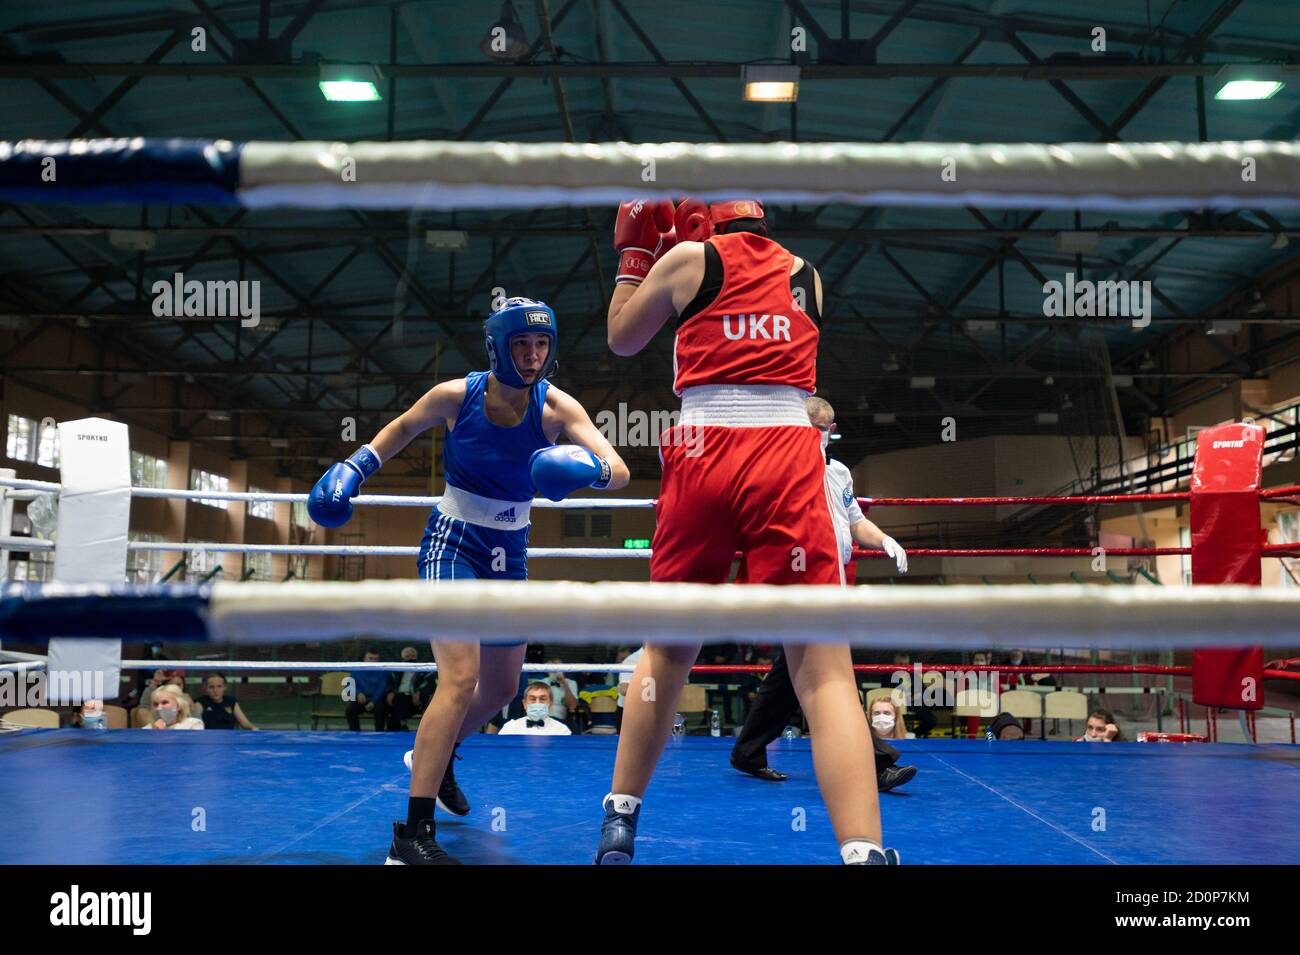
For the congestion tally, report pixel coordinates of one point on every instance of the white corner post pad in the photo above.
(94, 512)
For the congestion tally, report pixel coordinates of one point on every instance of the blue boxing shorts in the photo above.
(452, 549)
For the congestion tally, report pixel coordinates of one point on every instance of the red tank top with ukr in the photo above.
(754, 333)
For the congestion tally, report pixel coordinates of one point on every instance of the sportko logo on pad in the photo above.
(538, 318)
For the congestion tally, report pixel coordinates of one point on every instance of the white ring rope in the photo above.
(452, 175)
(390, 500)
(339, 550)
(624, 612)
(235, 666)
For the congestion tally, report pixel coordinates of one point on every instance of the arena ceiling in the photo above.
(360, 314)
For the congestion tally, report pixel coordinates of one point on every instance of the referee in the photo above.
(776, 701)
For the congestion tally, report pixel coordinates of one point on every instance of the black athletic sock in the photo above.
(417, 808)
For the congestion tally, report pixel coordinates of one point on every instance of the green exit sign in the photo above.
(636, 543)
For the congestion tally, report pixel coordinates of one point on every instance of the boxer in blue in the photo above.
(499, 450)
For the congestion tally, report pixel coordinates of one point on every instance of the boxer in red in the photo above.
(741, 471)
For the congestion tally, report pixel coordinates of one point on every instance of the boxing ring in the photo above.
(315, 798)
(75, 796)
(282, 797)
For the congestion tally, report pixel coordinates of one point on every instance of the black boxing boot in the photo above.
(418, 847)
(450, 797)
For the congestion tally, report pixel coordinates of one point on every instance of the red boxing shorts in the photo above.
(757, 490)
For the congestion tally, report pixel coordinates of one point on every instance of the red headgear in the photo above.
(695, 221)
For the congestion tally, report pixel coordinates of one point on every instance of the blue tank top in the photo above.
(487, 459)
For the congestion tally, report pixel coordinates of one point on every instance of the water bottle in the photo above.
(715, 723)
(791, 732)
(679, 725)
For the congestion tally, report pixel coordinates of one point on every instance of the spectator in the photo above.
(146, 694)
(410, 690)
(631, 661)
(564, 694)
(537, 720)
(980, 658)
(171, 711)
(219, 709)
(153, 651)
(1005, 726)
(371, 688)
(1101, 728)
(886, 721)
(91, 716)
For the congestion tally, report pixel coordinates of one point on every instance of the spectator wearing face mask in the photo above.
(537, 721)
(91, 716)
(1101, 728)
(171, 711)
(887, 723)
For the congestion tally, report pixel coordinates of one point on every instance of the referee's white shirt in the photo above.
(844, 506)
(520, 727)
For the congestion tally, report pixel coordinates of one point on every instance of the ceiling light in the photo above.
(350, 82)
(1244, 81)
(505, 40)
(1081, 243)
(447, 240)
(770, 84)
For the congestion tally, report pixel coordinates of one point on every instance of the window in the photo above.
(257, 567)
(199, 563)
(38, 565)
(262, 509)
(32, 441)
(147, 471)
(300, 516)
(207, 481)
(143, 566)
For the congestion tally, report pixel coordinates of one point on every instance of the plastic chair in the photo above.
(36, 718)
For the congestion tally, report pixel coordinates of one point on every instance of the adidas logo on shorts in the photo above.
(506, 517)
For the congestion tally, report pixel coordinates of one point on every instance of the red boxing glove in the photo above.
(664, 215)
(692, 221)
(637, 237)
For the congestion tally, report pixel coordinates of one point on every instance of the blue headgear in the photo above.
(519, 316)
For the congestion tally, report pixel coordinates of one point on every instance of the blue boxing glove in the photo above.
(330, 501)
(560, 470)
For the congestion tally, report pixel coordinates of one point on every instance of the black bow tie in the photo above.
(536, 722)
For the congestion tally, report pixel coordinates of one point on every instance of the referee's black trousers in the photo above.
(775, 704)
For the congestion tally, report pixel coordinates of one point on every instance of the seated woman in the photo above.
(171, 710)
(886, 721)
(1102, 727)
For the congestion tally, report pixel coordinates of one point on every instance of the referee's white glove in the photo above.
(892, 549)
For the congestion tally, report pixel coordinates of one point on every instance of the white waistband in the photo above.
(484, 511)
(744, 406)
